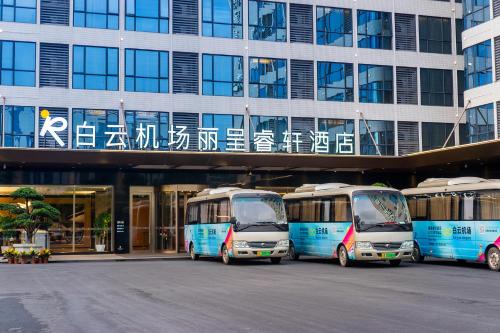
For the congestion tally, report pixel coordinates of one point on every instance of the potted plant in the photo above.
(101, 227)
(29, 213)
(25, 257)
(34, 256)
(44, 255)
(11, 254)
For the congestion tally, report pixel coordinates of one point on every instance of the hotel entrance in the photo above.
(142, 215)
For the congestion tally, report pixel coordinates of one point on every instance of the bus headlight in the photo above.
(282, 243)
(407, 245)
(240, 244)
(364, 245)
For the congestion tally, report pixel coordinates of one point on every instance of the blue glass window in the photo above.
(434, 34)
(478, 65)
(22, 11)
(336, 127)
(333, 26)
(335, 82)
(223, 18)
(475, 12)
(95, 67)
(268, 78)
(102, 14)
(383, 134)
(100, 119)
(480, 124)
(222, 75)
(19, 126)
(461, 87)
(434, 135)
(222, 122)
(146, 71)
(267, 21)
(459, 29)
(18, 63)
(147, 15)
(436, 87)
(375, 84)
(374, 30)
(156, 123)
(277, 125)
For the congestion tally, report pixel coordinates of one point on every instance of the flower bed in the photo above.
(32, 256)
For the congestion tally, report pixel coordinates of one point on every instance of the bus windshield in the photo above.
(380, 211)
(258, 210)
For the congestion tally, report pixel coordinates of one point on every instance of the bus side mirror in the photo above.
(357, 220)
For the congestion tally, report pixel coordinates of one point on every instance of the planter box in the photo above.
(27, 247)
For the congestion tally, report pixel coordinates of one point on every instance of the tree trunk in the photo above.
(30, 235)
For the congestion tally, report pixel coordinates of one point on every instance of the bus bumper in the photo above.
(259, 253)
(374, 255)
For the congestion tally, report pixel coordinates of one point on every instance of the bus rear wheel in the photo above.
(493, 259)
(344, 257)
(226, 259)
(395, 263)
(193, 255)
(416, 255)
(292, 253)
(275, 261)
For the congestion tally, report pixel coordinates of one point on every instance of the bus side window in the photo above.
(488, 205)
(440, 207)
(214, 207)
(327, 210)
(192, 214)
(306, 210)
(223, 213)
(467, 201)
(293, 211)
(204, 212)
(343, 211)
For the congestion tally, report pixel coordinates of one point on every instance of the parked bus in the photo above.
(235, 223)
(350, 223)
(456, 218)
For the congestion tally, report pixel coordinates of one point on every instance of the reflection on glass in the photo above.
(140, 220)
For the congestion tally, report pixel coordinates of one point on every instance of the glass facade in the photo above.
(338, 130)
(382, 132)
(480, 124)
(146, 71)
(434, 135)
(22, 11)
(19, 126)
(461, 87)
(375, 84)
(222, 75)
(147, 15)
(475, 12)
(333, 26)
(268, 132)
(147, 130)
(478, 65)
(436, 87)
(18, 63)
(101, 14)
(267, 21)
(374, 30)
(459, 29)
(95, 67)
(223, 122)
(90, 127)
(335, 82)
(434, 34)
(268, 78)
(223, 18)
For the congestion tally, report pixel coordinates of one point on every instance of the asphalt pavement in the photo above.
(206, 296)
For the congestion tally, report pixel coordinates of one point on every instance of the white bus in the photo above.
(235, 223)
(350, 223)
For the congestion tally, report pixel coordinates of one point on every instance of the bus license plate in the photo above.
(263, 253)
(388, 255)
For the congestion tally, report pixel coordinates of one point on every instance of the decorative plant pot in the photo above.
(25, 260)
(45, 260)
(35, 260)
(12, 260)
(100, 247)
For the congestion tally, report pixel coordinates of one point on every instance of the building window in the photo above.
(375, 84)
(267, 21)
(18, 63)
(267, 134)
(147, 15)
(223, 18)
(480, 124)
(459, 29)
(147, 130)
(434, 135)
(22, 11)
(95, 68)
(461, 87)
(374, 30)
(434, 34)
(19, 127)
(382, 133)
(222, 75)
(333, 26)
(223, 123)
(93, 135)
(475, 12)
(478, 65)
(340, 135)
(268, 78)
(335, 82)
(436, 87)
(146, 71)
(102, 14)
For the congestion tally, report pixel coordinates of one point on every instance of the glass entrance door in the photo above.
(141, 219)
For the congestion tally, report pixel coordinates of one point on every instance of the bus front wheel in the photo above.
(416, 255)
(344, 257)
(292, 253)
(226, 259)
(193, 255)
(493, 258)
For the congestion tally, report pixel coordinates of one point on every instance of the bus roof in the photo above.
(225, 192)
(435, 185)
(320, 190)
